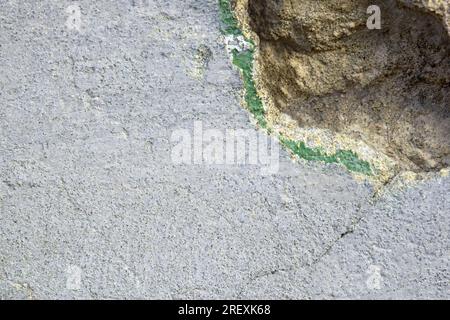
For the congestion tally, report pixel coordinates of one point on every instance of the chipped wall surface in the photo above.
(319, 67)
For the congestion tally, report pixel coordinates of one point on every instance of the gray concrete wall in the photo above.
(92, 205)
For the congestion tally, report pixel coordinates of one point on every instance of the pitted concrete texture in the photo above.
(92, 205)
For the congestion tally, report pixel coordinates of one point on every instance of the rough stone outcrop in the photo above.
(440, 8)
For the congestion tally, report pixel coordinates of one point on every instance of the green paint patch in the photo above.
(229, 21)
(244, 61)
(346, 157)
(351, 161)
